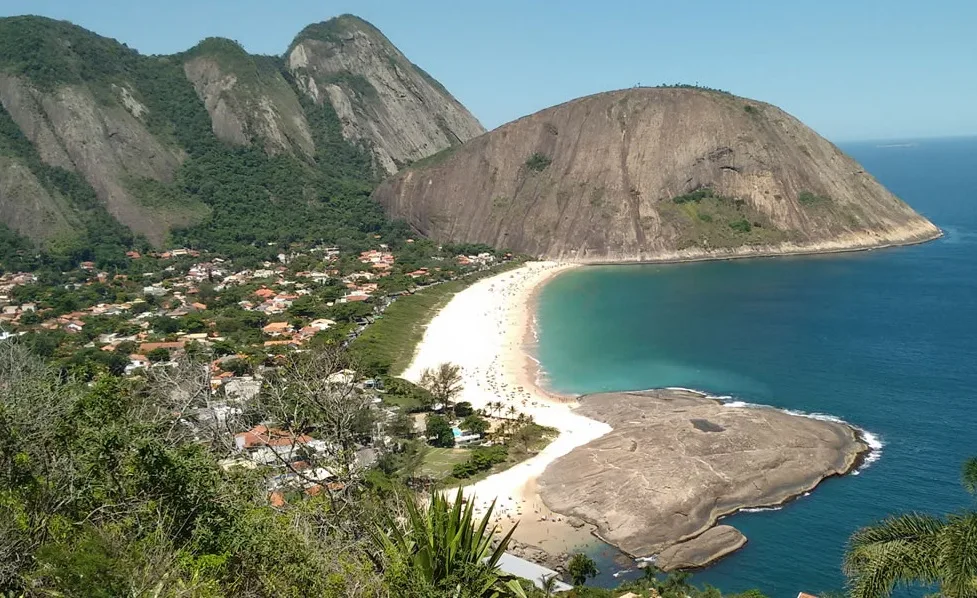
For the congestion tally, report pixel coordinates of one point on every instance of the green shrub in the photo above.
(482, 459)
(750, 109)
(538, 162)
(705, 217)
(741, 226)
(438, 432)
(694, 196)
(806, 198)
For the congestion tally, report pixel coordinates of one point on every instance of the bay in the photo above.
(886, 340)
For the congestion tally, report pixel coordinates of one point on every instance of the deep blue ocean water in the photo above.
(886, 340)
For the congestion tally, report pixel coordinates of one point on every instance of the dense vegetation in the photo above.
(538, 162)
(245, 202)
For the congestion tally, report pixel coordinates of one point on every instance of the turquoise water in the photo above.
(886, 340)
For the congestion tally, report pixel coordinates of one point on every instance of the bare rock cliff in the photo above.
(652, 174)
(27, 207)
(382, 99)
(104, 139)
(248, 99)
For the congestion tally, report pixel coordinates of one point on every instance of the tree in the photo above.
(443, 382)
(443, 550)
(158, 354)
(463, 409)
(917, 549)
(165, 325)
(238, 367)
(548, 584)
(581, 568)
(475, 424)
(30, 318)
(439, 431)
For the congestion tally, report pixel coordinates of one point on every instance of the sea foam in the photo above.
(873, 441)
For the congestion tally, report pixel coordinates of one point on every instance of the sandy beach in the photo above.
(486, 329)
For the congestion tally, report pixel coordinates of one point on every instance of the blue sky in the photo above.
(855, 69)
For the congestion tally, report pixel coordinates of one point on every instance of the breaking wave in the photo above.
(873, 441)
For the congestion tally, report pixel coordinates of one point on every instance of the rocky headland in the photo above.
(677, 461)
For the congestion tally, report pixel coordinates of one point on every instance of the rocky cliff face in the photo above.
(652, 174)
(102, 138)
(382, 99)
(248, 99)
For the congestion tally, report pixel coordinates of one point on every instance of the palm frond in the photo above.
(958, 556)
(970, 475)
(897, 551)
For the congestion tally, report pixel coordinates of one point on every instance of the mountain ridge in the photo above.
(138, 129)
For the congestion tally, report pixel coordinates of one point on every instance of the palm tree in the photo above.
(548, 584)
(442, 547)
(917, 549)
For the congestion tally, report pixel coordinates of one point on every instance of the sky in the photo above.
(852, 70)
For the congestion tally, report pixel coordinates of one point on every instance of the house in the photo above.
(136, 361)
(277, 328)
(322, 324)
(243, 389)
(171, 346)
(344, 377)
(272, 445)
(513, 565)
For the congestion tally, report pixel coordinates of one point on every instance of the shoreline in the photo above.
(499, 312)
(927, 234)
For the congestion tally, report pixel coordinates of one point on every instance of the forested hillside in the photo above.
(103, 149)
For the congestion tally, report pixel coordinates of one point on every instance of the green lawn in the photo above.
(438, 462)
(389, 343)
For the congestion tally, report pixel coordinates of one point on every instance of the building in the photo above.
(513, 565)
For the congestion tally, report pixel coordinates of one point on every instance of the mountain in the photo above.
(652, 174)
(103, 148)
(380, 96)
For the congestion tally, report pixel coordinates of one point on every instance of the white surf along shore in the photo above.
(485, 329)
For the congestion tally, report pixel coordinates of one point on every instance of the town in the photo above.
(234, 333)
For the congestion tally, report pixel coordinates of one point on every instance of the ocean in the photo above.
(885, 339)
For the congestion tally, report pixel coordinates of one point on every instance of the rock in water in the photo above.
(652, 174)
(676, 461)
(713, 544)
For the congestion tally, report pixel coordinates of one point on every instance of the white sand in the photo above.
(483, 329)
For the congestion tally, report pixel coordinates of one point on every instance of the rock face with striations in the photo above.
(248, 99)
(652, 174)
(382, 99)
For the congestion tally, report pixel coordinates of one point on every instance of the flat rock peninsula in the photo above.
(676, 461)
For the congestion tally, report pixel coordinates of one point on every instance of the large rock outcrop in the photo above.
(652, 174)
(675, 462)
(382, 99)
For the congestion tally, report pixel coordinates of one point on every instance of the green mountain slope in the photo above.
(213, 146)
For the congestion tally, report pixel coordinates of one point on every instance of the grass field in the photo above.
(438, 462)
(390, 342)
